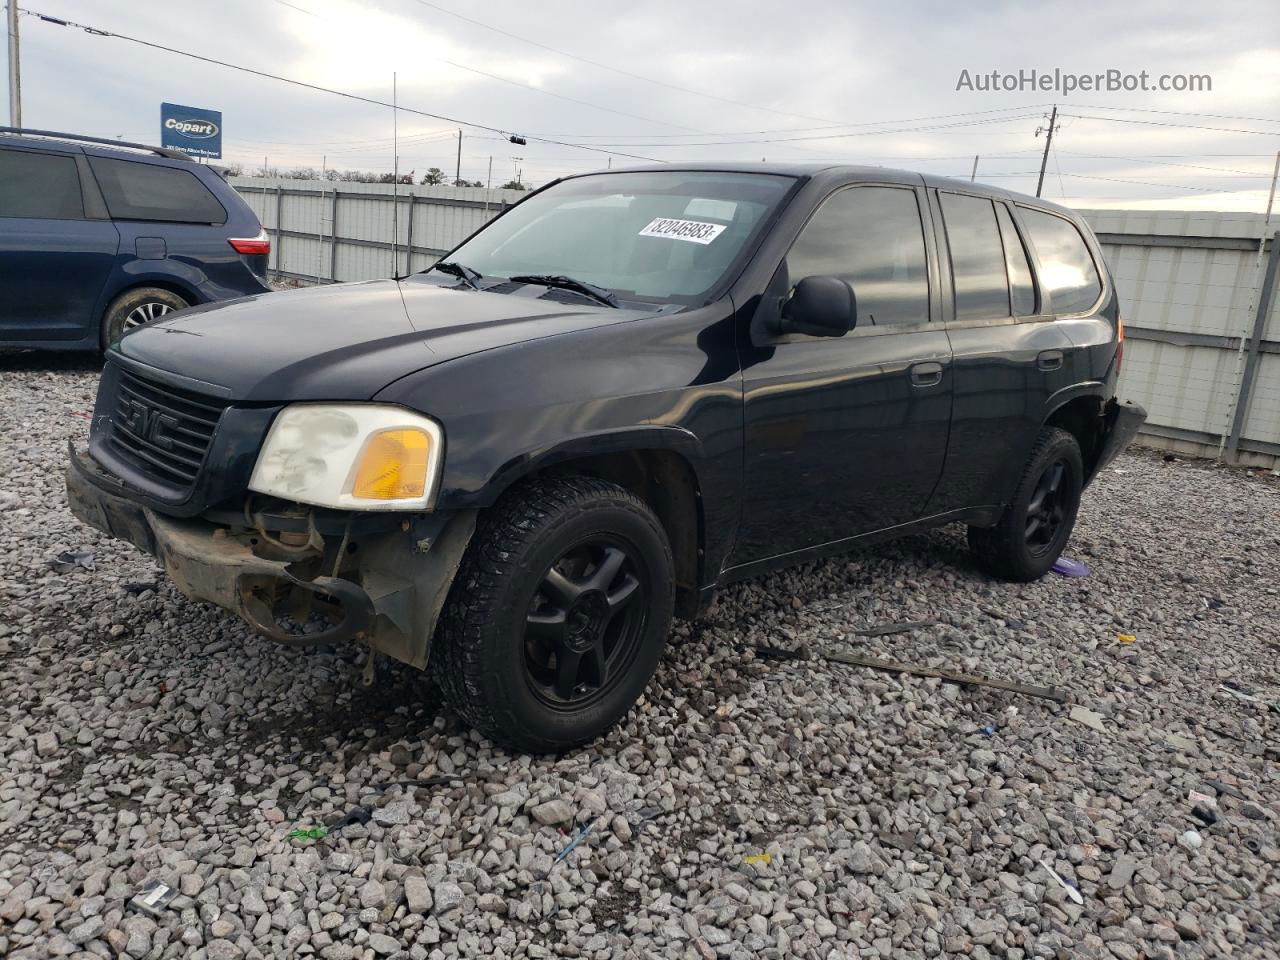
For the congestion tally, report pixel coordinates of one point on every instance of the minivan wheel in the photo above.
(1036, 525)
(558, 615)
(136, 308)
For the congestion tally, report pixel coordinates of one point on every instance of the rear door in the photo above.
(54, 259)
(1010, 356)
(846, 435)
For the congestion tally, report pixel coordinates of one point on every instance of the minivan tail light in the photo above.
(252, 246)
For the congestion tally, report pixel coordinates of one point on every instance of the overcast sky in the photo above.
(858, 76)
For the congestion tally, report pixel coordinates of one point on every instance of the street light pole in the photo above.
(15, 74)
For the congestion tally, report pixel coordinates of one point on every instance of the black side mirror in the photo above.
(820, 307)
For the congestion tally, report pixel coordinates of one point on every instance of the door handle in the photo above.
(926, 374)
(1049, 360)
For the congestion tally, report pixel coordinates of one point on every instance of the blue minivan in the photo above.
(98, 237)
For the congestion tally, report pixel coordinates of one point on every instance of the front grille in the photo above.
(163, 431)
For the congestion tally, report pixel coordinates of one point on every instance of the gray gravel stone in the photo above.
(143, 737)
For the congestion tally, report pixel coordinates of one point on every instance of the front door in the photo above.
(847, 435)
(54, 262)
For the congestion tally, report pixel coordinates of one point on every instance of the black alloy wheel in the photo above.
(585, 622)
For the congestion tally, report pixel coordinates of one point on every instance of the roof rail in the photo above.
(162, 151)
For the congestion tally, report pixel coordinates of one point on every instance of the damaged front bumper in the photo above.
(382, 580)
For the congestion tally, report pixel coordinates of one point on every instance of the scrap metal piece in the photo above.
(888, 629)
(947, 676)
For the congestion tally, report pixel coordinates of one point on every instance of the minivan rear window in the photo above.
(144, 191)
(1067, 270)
(41, 186)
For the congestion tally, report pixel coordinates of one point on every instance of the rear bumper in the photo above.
(391, 596)
(1123, 422)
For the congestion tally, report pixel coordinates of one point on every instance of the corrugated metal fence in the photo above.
(1197, 292)
(324, 231)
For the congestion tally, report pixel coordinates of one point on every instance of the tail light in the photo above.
(1119, 342)
(259, 246)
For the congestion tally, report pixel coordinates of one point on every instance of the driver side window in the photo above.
(872, 238)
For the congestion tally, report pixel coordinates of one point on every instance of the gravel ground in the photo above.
(747, 808)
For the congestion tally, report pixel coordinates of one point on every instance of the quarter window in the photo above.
(1067, 270)
(41, 186)
(977, 257)
(144, 191)
(872, 238)
(1021, 287)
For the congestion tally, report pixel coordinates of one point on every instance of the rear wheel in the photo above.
(1037, 523)
(558, 615)
(136, 308)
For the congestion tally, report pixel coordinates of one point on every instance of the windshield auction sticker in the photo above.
(691, 230)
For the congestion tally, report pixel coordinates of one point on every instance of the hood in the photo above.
(347, 341)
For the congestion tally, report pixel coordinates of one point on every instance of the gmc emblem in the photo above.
(147, 423)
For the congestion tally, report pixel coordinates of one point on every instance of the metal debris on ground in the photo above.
(136, 588)
(947, 676)
(69, 560)
(354, 816)
(310, 833)
(574, 841)
(1066, 567)
(888, 629)
(765, 652)
(152, 898)
(1072, 892)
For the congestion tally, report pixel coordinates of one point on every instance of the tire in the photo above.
(137, 307)
(1037, 523)
(563, 575)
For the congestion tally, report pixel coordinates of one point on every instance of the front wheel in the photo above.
(1038, 521)
(137, 308)
(558, 615)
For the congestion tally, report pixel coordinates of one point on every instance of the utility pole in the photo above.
(457, 172)
(15, 74)
(395, 179)
(1053, 125)
(974, 175)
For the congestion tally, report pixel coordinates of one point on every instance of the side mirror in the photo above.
(820, 307)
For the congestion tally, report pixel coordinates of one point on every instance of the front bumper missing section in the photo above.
(393, 593)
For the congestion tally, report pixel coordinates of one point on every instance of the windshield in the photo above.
(643, 236)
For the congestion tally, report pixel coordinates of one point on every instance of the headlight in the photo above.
(351, 456)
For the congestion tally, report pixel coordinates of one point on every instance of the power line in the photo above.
(97, 31)
(1163, 123)
(1179, 113)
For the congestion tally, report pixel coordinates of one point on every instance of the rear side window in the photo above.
(977, 257)
(42, 186)
(143, 191)
(870, 237)
(1022, 288)
(1067, 271)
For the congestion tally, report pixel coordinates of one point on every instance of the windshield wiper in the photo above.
(459, 270)
(599, 294)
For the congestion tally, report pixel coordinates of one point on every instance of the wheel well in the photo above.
(666, 482)
(174, 288)
(1082, 418)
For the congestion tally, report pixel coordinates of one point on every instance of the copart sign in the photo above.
(192, 130)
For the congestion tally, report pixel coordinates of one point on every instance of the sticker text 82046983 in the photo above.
(693, 231)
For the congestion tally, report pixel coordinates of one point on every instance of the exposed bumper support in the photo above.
(1123, 423)
(391, 595)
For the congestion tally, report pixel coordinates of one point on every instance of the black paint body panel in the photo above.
(798, 444)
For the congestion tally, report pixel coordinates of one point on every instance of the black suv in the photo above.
(100, 236)
(631, 388)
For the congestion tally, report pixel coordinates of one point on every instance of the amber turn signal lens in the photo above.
(393, 466)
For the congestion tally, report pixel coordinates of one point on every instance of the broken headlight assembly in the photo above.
(351, 457)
